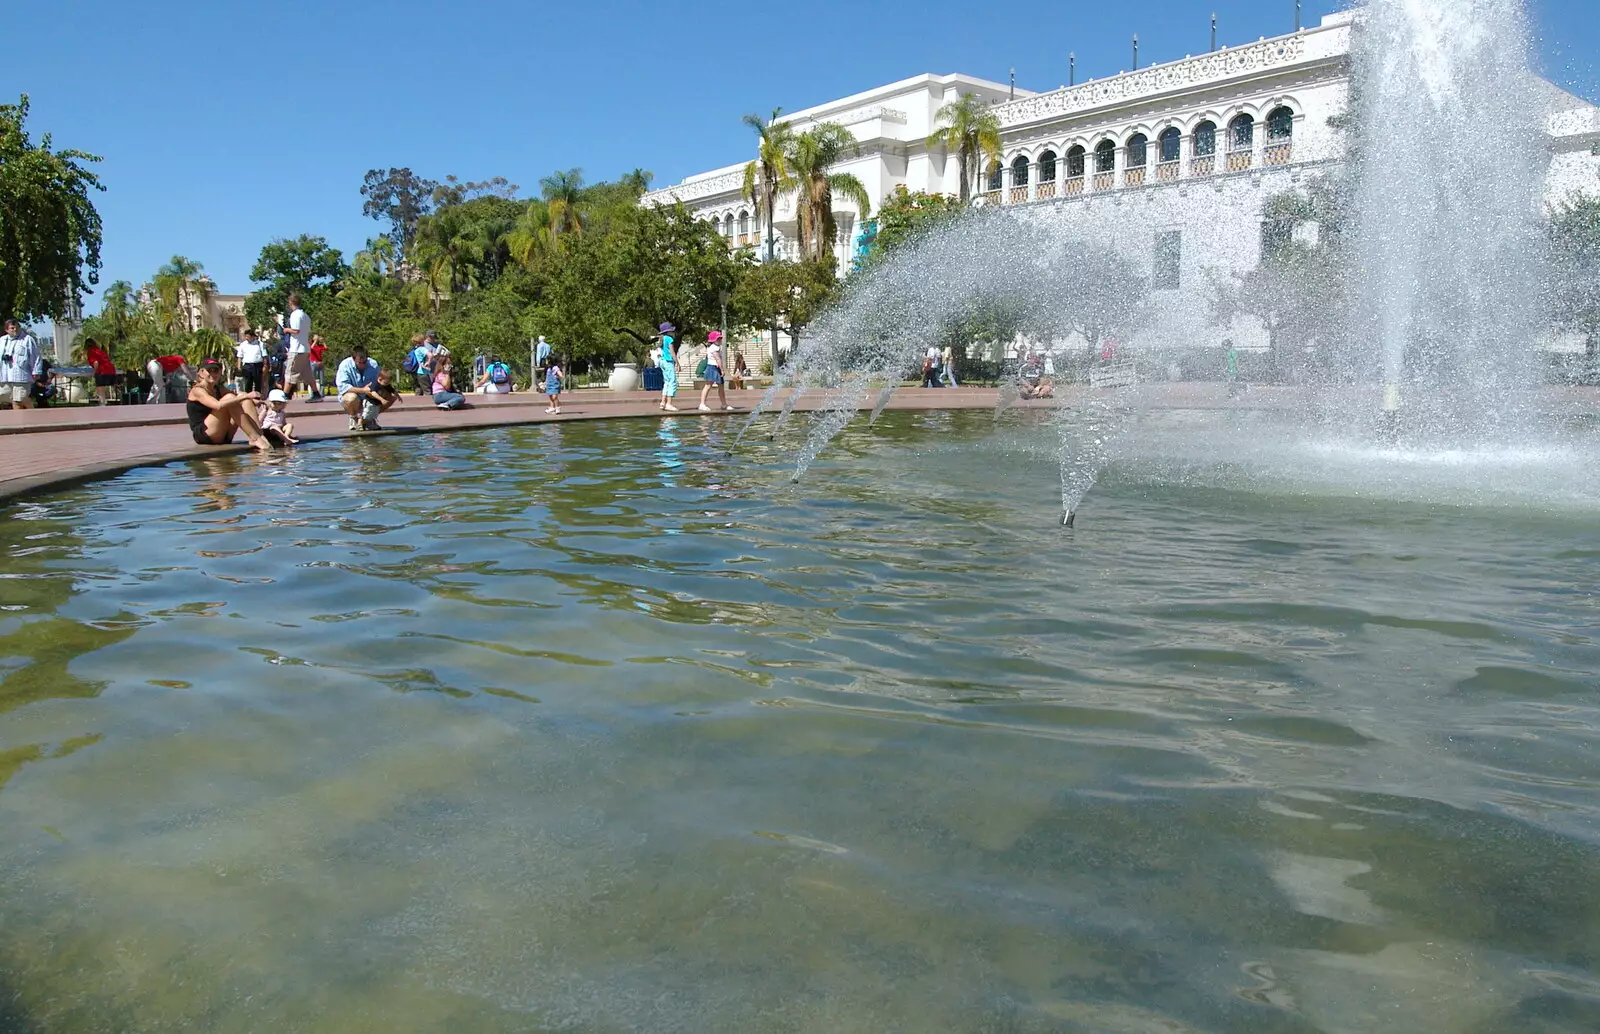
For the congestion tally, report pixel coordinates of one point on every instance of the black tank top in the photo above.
(197, 416)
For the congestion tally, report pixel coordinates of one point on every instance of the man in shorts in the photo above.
(20, 363)
(297, 357)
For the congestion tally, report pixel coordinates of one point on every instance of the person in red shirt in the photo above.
(105, 371)
(317, 351)
(164, 369)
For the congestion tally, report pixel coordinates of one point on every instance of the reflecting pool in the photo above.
(593, 728)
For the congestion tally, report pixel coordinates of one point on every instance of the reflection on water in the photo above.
(591, 727)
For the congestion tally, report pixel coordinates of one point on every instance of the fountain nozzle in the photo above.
(1067, 518)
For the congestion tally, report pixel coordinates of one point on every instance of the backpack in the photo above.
(498, 374)
(700, 370)
(410, 364)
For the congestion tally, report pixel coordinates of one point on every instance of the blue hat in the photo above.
(667, 328)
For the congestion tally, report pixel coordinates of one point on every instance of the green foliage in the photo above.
(49, 229)
(809, 157)
(399, 197)
(789, 293)
(908, 215)
(1574, 236)
(305, 265)
(967, 127)
(766, 178)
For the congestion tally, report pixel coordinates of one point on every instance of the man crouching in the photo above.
(362, 392)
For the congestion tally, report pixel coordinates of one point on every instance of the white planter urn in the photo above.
(625, 377)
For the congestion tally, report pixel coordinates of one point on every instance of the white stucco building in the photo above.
(1241, 124)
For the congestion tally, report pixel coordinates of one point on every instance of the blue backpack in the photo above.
(499, 373)
(411, 363)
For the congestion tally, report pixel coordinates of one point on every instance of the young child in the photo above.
(275, 421)
(552, 384)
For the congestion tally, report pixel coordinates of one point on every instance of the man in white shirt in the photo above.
(297, 363)
(252, 360)
(930, 367)
(20, 363)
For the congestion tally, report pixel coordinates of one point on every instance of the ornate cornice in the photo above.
(850, 118)
(1176, 75)
(728, 181)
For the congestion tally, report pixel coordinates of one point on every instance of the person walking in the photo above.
(319, 352)
(297, 354)
(930, 367)
(668, 361)
(552, 384)
(947, 361)
(541, 355)
(252, 357)
(714, 376)
(20, 362)
(105, 371)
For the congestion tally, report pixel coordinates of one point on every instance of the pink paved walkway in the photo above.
(44, 448)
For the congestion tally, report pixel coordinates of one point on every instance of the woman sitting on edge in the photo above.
(445, 395)
(213, 418)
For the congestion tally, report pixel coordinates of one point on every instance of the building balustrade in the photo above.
(1239, 161)
(1279, 152)
(1133, 177)
(1072, 186)
(1018, 195)
(1166, 171)
(1104, 180)
(1202, 165)
(1047, 190)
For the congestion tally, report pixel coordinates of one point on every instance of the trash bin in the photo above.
(654, 380)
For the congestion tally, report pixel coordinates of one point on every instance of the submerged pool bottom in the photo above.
(592, 728)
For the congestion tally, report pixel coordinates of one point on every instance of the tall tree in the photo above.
(183, 289)
(49, 229)
(638, 181)
(531, 238)
(304, 265)
(378, 257)
(563, 193)
(811, 154)
(767, 177)
(399, 197)
(967, 127)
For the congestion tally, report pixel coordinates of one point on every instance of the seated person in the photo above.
(739, 372)
(213, 417)
(275, 421)
(496, 379)
(1031, 381)
(444, 394)
(364, 391)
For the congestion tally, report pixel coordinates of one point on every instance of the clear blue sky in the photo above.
(225, 125)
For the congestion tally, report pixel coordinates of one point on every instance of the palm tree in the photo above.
(563, 193)
(184, 289)
(768, 176)
(378, 256)
(532, 237)
(968, 127)
(638, 181)
(811, 155)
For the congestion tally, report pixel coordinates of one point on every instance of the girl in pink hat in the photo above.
(714, 372)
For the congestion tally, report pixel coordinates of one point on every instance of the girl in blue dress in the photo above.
(552, 384)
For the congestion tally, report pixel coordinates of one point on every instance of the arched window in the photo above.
(744, 225)
(1280, 137)
(1138, 151)
(1105, 156)
(1019, 172)
(1170, 143)
(727, 226)
(1075, 156)
(1241, 139)
(1280, 124)
(1241, 133)
(1204, 162)
(1047, 167)
(994, 176)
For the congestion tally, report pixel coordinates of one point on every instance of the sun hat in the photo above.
(277, 395)
(713, 337)
(666, 328)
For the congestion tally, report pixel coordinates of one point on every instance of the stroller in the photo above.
(43, 392)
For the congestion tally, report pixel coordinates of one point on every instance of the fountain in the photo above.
(1429, 344)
